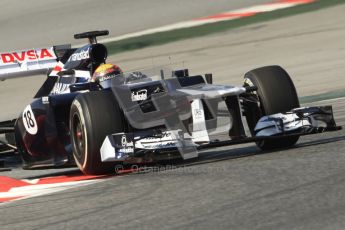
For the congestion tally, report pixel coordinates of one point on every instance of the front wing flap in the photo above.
(301, 120)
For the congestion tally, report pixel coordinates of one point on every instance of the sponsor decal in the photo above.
(124, 141)
(140, 95)
(104, 78)
(167, 135)
(126, 146)
(27, 56)
(29, 120)
(161, 141)
(198, 113)
(125, 150)
(60, 88)
(159, 145)
(45, 100)
(82, 55)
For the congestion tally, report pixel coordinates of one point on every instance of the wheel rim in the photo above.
(78, 137)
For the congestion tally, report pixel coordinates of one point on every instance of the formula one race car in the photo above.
(91, 113)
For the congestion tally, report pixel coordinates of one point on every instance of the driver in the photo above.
(105, 72)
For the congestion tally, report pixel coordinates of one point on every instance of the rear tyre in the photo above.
(93, 116)
(276, 94)
(21, 150)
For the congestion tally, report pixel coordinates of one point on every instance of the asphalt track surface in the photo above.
(232, 187)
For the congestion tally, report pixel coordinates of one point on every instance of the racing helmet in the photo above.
(105, 72)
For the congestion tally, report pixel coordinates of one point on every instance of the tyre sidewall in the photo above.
(78, 110)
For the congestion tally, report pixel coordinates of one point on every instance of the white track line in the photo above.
(225, 16)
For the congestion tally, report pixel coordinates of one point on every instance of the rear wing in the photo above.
(30, 62)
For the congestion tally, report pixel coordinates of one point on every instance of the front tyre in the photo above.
(276, 94)
(93, 116)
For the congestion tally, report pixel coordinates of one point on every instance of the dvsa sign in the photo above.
(27, 56)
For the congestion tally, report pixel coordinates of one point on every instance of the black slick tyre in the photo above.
(276, 94)
(93, 116)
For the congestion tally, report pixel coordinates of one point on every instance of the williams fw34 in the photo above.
(97, 116)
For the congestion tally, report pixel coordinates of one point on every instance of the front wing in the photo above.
(120, 147)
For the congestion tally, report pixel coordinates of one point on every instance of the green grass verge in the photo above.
(322, 96)
(179, 34)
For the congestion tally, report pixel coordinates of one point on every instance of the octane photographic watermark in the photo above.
(169, 169)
